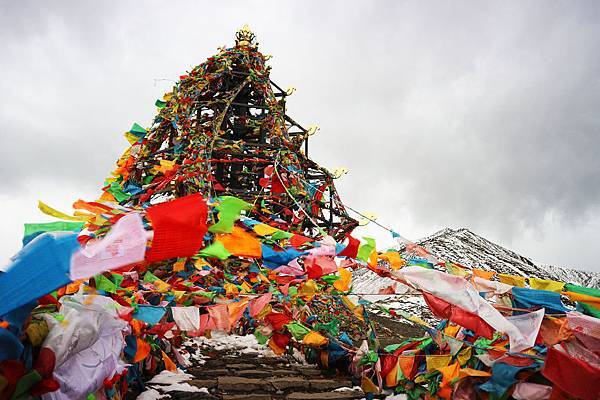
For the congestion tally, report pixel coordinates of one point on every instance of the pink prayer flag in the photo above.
(258, 304)
(219, 315)
(124, 244)
(531, 391)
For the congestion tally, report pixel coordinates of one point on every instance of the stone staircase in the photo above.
(230, 375)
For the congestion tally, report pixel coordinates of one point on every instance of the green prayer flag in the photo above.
(588, 309)
(330, 278)
(260, 338)
(118, 193)
(366, 249)
(149, 277)
(160, 104)
(569, 287)
(230, 209)
(117, 279)
(103, 283)
(279, 235)
(215, 250)
(52, 227)
(25, 383)
(137, 130)
(297, 330)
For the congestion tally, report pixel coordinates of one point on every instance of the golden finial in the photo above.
(245, 37)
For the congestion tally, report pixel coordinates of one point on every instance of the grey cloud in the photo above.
(476, 114)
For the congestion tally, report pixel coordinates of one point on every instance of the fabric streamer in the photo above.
(38, 269)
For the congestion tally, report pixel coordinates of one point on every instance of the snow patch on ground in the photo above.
(183, 387)
(167, 378)
(152, 394)
(348, 389)
(166, 382)
(247, 344)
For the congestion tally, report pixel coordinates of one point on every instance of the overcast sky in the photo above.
(483, 115)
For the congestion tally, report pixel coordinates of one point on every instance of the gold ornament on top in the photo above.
(245, 37)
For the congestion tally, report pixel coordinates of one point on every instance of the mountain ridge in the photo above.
(473, 251)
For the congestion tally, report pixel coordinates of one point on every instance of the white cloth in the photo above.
(529, 326)
(187, 318)
(483, 285)
(87, 345)
(124, 244)
(458, 291)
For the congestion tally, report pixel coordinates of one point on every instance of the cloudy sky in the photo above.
(476, 114)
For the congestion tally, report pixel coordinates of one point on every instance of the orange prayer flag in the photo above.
(276, 349)
(72, 287)
(169, 365)
(343, 284)
(483, 274)
(449, 373)
(391, 379)
(241, 243)
(368, 386)
(584, 298)
(406, 364)
(143, 350)
(179, 265)
(236, 309)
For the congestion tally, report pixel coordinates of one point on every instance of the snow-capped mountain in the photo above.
(470, 250)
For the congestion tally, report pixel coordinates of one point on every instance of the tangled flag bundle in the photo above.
(216, 220)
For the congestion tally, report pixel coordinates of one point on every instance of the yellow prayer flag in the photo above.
(46, 209)
(463, 373)
(437, 361)
(264, 229)
(512, 280)
(313, 338)
(546, 284)
(230, 288)
(464, 356)
(456, 270)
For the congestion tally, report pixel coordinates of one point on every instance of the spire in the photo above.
(245, 37)
(224, 130)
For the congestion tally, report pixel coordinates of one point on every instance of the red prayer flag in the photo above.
(572, 376)
(459, 316)
(179, 227)
(352, 249)
(277, 320)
